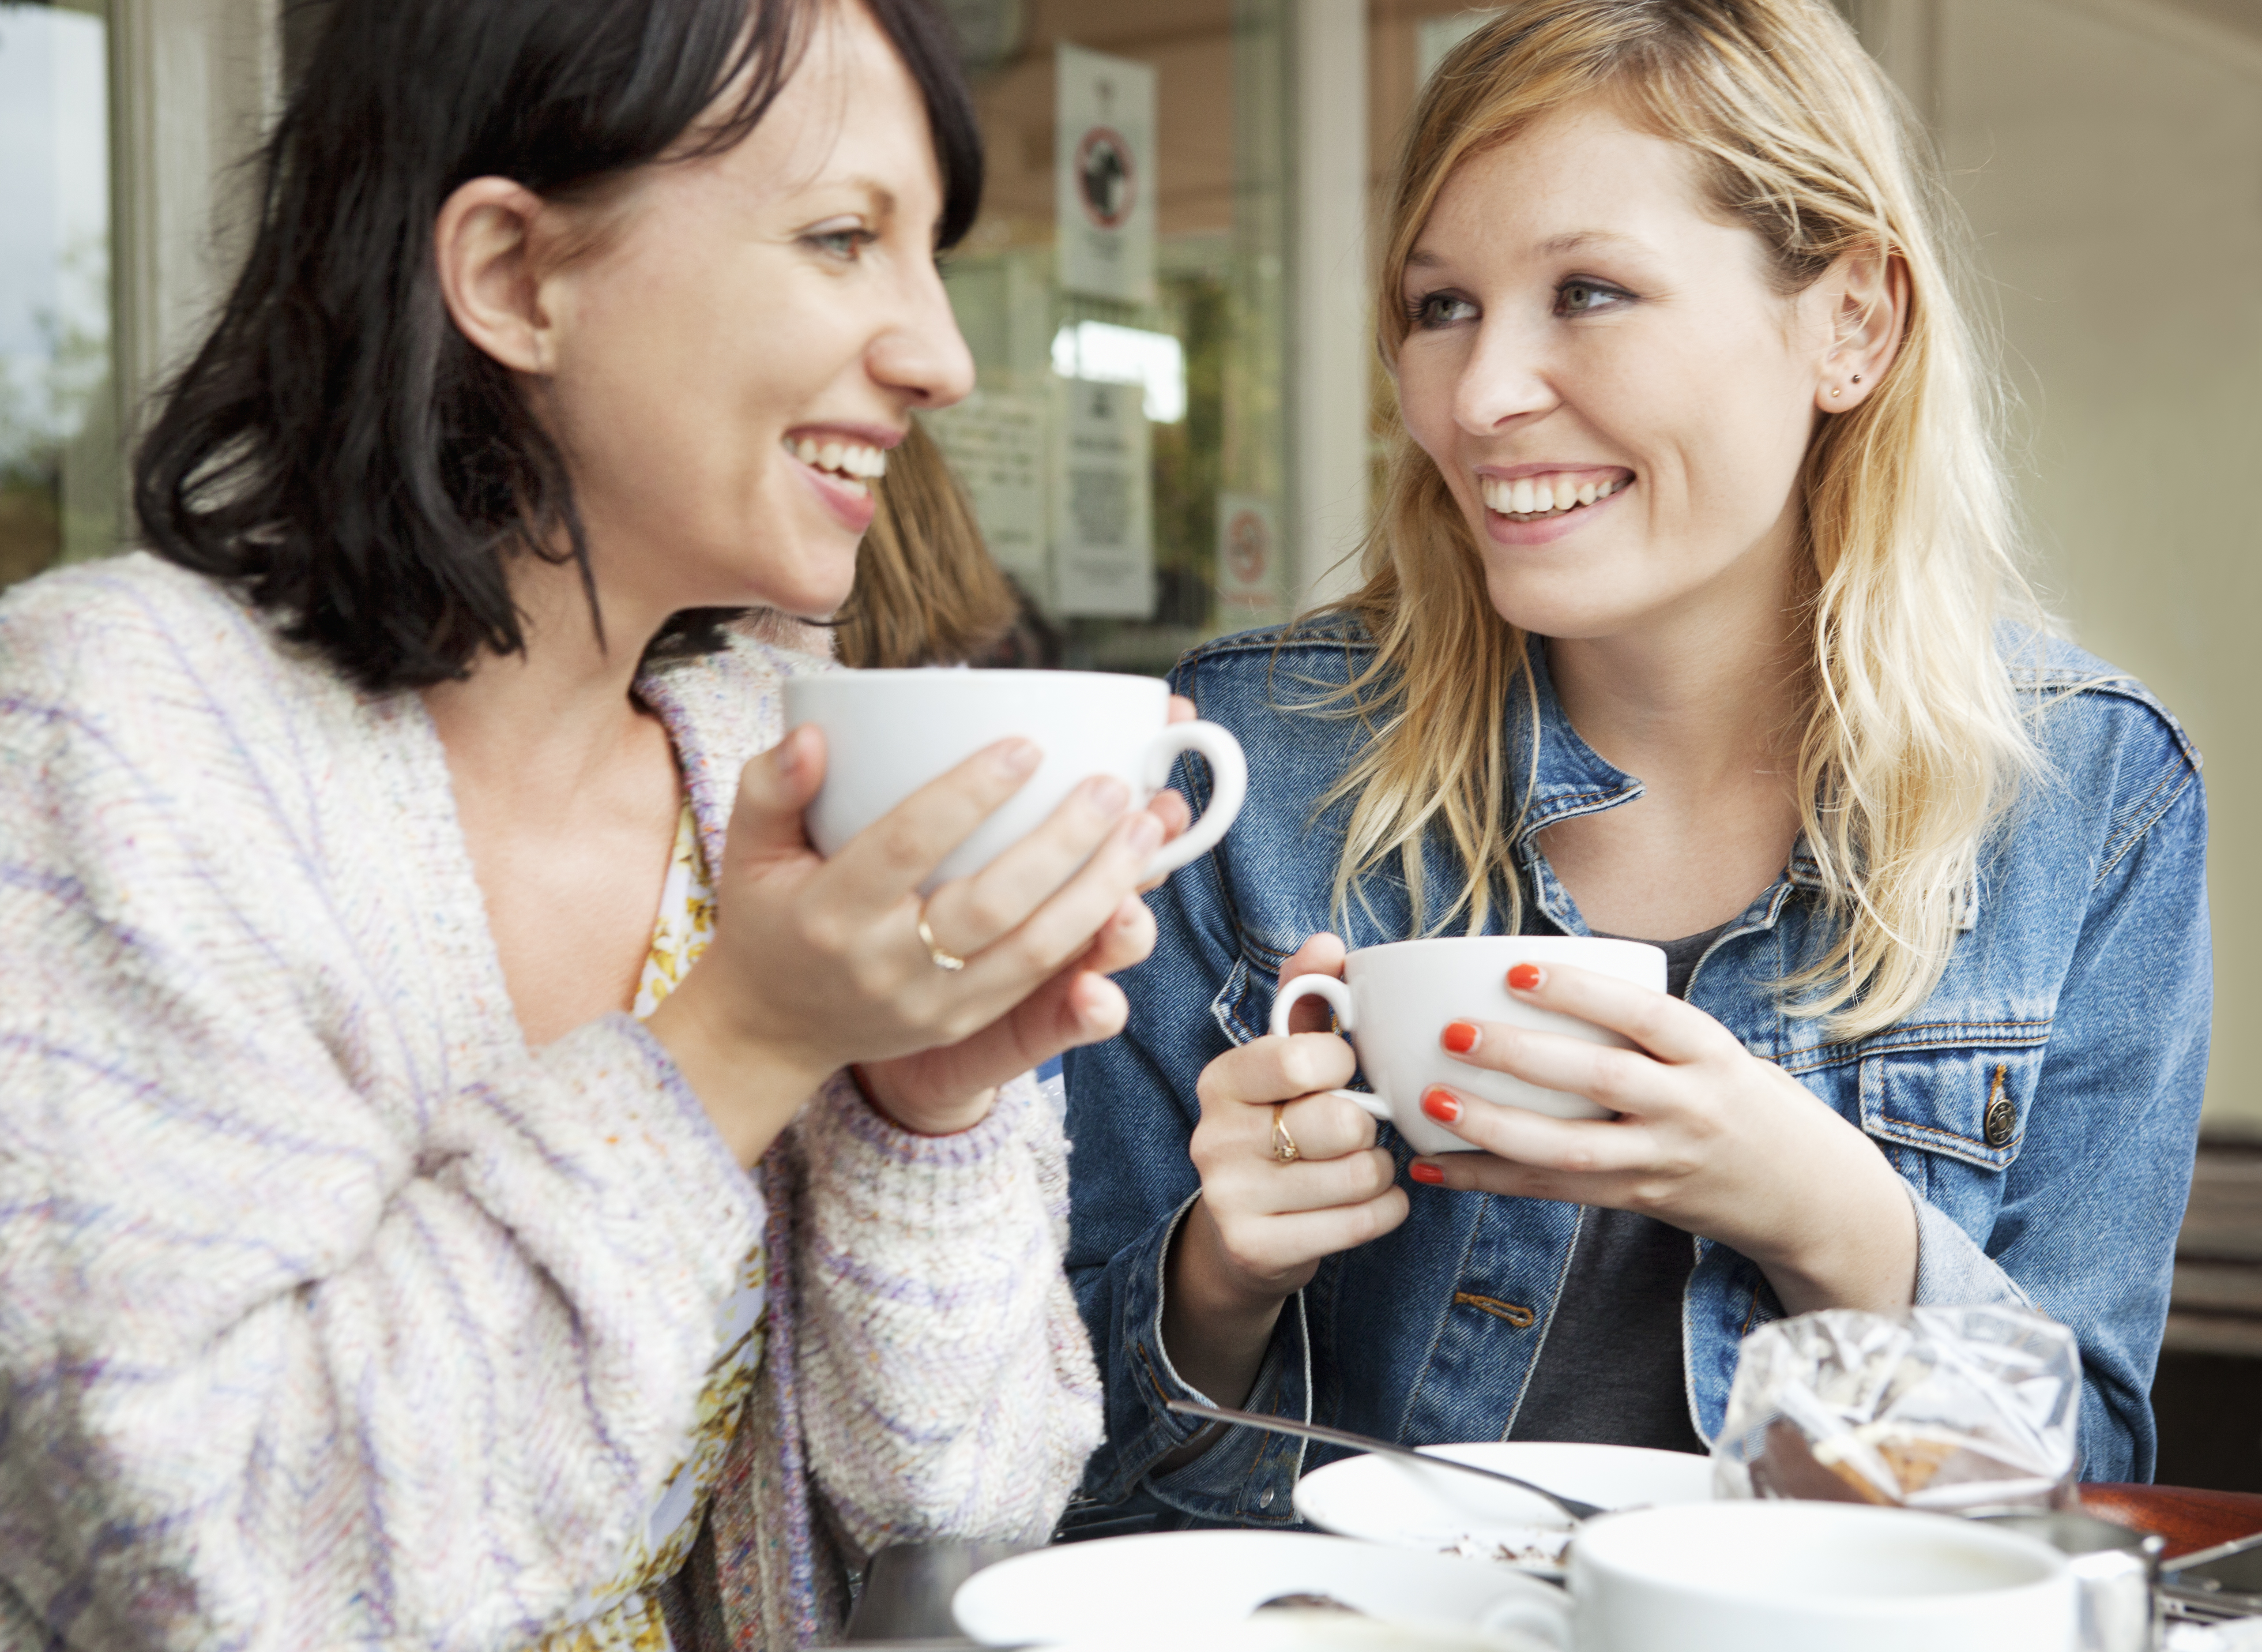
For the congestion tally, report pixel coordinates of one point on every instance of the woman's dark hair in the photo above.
(337, 448)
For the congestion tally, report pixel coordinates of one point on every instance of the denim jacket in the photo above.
(2041, 1106)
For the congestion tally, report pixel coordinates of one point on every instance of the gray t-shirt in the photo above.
(1611, 1372)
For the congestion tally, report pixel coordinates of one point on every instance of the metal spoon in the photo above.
(1571, 1506)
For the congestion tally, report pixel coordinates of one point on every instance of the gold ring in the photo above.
(1283, 1145)
(941, 959)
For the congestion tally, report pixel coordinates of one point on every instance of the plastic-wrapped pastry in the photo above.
(1938, 1408)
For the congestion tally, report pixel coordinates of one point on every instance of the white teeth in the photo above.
(1541, 496)
(854, 460)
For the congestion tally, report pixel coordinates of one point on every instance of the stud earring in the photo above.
(1835, 392)
(1857, 379)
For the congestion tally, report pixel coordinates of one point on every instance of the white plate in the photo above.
(1167, 1584)
(1390, 1500)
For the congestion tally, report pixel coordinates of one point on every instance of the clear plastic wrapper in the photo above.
(1937, 1408)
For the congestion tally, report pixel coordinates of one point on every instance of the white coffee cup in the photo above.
(887, 732)
(1393, 1002)
(1784, 1577)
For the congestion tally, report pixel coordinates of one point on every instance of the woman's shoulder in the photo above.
(1280, 674)
(2099, 728)
(150, 642)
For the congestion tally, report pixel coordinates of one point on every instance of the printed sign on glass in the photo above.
(1103, 502)
(1104, 167)
(996, 441)
(1248, 552)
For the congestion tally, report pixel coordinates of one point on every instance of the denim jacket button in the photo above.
(2002, 1121)
(1265, 1498)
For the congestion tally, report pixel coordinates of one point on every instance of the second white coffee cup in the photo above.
(1393, 1002)
(887, 732)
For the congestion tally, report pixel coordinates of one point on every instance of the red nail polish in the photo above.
(1428, 1175)
(1460, 1036)
(1524, 977)
(1441, 1106)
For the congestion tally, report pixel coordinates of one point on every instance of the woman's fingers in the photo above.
(1481, 1172)
(1283, 1243)
(1583, 1146)
(773, 788)
(889, 859)
(969, 914)
(1668, 1029)
(1275, 1069)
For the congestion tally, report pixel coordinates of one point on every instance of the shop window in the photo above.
(1123, 295)
(60, 488)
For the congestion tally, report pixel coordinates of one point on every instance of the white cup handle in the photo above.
(1338, 997)
(1522, 1615)
(1229, 773)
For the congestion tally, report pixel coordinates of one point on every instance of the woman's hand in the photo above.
(817, 965)
(1257, 1232)
(1708, 1138)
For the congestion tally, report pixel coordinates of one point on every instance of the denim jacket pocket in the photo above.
(1235, 1010)
(1962, 1089)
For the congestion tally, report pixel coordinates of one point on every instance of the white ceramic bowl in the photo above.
(1785, 1576)
(1167, 1586)
(1390, 1500)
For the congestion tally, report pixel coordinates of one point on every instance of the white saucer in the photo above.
(1390, 1500)
(1166, 1585)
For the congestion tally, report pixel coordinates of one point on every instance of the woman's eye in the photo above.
(1585, 297)
(1441, 309)
(845, 244)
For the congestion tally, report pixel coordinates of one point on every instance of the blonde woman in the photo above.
(1693, 616)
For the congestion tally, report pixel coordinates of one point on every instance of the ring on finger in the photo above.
(950, 961)
(1284, 1145)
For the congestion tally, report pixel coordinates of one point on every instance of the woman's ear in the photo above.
(1868, 295)
(483, 242)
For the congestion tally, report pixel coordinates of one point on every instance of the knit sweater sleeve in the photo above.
(316, 1328)
(949, 1391)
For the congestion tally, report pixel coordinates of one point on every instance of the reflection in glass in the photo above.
(1206, 349)
(58, 466)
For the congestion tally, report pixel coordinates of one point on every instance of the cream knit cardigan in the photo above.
(333, 1315)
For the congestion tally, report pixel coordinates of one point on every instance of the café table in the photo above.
(2190, 1518)
(905, 1603)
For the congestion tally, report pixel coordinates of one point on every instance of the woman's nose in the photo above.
(1503, 379)
(924, 357)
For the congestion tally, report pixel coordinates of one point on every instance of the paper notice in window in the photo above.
(1103, 502)
(996, 441)
(1103, 175)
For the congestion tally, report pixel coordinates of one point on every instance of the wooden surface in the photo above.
(2190, 1519)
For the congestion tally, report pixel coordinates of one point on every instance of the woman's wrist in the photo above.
(951, 1118)
(750, 1088)
(1216, 1325)
(1855, 1249)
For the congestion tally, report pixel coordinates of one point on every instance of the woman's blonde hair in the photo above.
(1913, 746)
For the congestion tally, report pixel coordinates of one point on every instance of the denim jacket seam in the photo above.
(1162, 1306)
(1443, 1318)
(1996, 1158)
(1547, 1325)
(2024, 1035)
(2135, 834)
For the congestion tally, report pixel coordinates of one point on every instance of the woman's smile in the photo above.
(1538, 504)
(841, 466)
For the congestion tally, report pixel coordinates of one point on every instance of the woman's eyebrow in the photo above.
(1581, 240)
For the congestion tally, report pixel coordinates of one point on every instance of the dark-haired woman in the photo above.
(472, 1176)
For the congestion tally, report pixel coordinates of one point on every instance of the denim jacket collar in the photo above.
(1570, 778)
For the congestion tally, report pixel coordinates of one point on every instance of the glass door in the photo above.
(60, 484)
(1123, 295)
